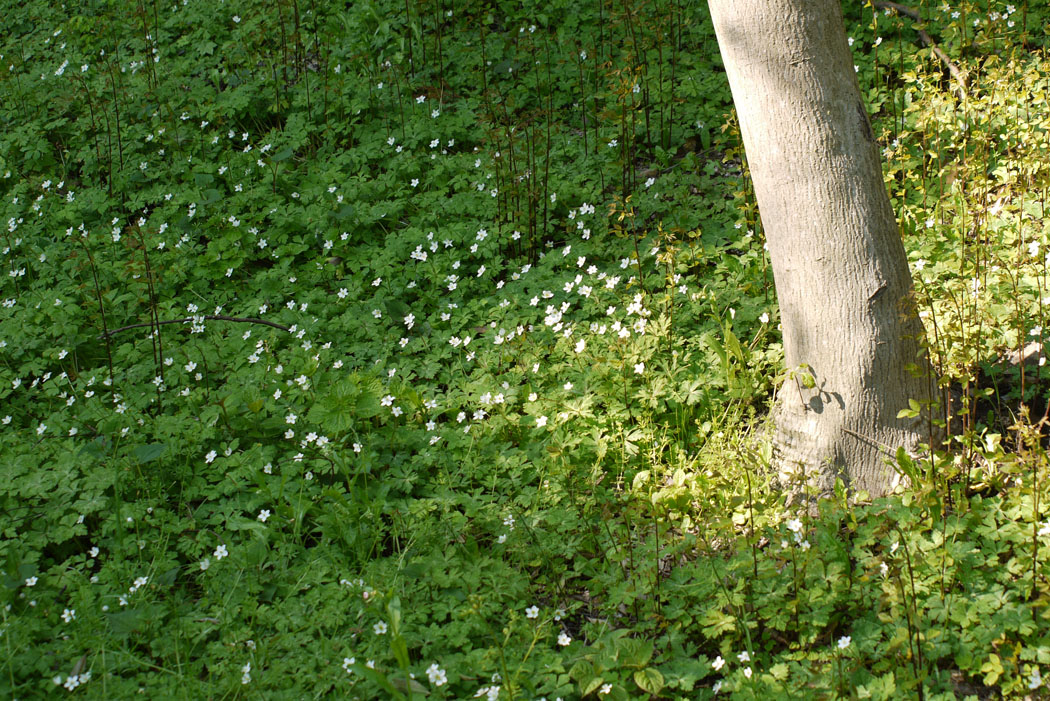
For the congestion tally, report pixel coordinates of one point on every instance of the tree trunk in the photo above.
(840, 270)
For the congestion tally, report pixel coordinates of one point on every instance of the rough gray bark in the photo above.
(840, 269)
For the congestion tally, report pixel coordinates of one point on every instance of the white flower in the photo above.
(205, 564)
(379, 628)
(747, 672)
(744, 656)
(436, 675)
(564, 639)
(264, 514)
(532, 612)
(844, 642)
(69, 615)
(718, 663)
(541, 421)
(221, 552)
(639, 368)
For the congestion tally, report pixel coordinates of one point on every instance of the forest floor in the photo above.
(395, 350)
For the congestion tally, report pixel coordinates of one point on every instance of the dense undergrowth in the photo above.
(393, 350)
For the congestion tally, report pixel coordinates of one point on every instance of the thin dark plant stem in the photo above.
(911, 613)
(116, 114)
(547, 144)
(207, 317)
(408, 38)
(101, 308)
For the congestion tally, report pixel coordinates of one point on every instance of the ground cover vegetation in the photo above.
(398, 350)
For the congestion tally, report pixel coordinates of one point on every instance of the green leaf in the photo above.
(149, 452)
(239, 523)
(906, 464)
(409, 685)
(649, 680)
(914, 409)
(733, 344)
(640, 479)
(166, 579)
(132, 620)
(591, 686)
(97, 447)
(377, 677)
(393, 610)
(992, 669)
(400, 650)
(582, 671)
(634, 652)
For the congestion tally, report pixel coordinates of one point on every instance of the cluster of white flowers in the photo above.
(72, 681)
(491, 693)
(797, 532)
